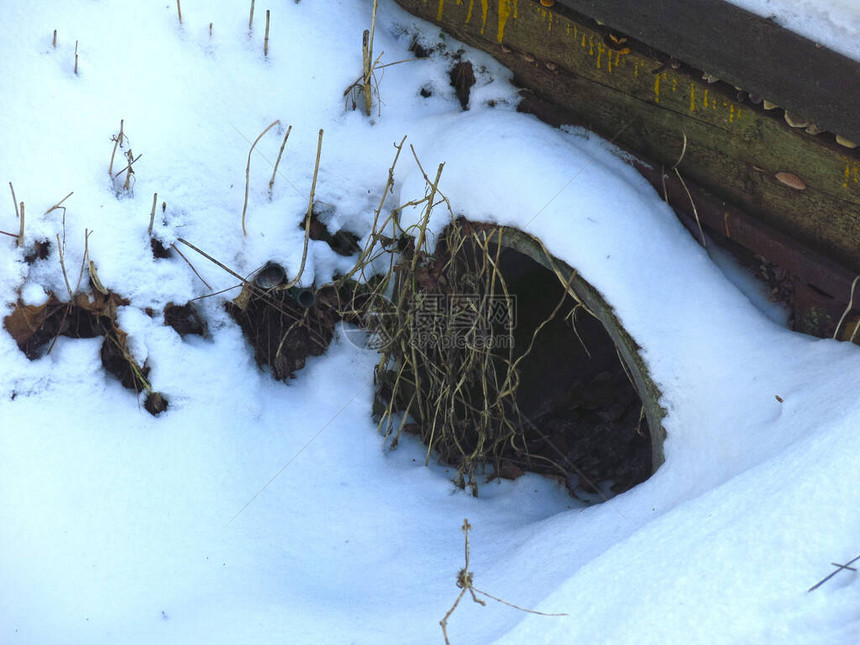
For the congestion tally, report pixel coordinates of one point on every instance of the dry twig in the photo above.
(465, 582)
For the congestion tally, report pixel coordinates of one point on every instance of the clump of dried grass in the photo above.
(452, 377)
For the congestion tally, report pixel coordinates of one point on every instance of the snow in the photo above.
(834, 24)
(257, 512)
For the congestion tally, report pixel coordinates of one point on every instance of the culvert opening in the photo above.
(497, 354)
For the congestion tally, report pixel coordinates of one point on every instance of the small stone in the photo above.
(813, 129)
(767, 105)
(842, 141)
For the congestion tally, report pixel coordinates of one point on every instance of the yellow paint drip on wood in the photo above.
(705, 98)
(852, 172)
(439, 11)
(485, 7)
(657, 88)
(731, 113)
(547, 15)
(692, 97)
(469, 11)
(506, 9)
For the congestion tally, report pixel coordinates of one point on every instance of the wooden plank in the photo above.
(734, 149)
(747, 51)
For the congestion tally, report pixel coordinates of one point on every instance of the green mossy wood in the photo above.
(626, 91)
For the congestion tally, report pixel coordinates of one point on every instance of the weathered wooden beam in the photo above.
(804, 186)
(746, 50)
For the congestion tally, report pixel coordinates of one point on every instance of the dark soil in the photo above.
(282, 332)
(36, 327)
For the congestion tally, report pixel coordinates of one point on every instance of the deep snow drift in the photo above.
(122, 527)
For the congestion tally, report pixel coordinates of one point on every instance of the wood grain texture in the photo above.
(625, 91)
(746, 50)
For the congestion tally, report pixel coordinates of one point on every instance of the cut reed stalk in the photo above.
(54, 42)
(152, 214)
(179, 11)
(367, 49)
(76, 58)
(21, 228)
(266, 39)
(251, 19)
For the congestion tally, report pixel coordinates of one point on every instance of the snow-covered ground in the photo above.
(120, 527)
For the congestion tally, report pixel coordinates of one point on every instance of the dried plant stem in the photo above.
(76, 58)
(846, 312)
(213, 260)
(367, 53)
(248, 171)
(152, 214)
(128, 170)
(428, 209)
(116, 143)
(179, 11)
(59, 204)
(278, 160)
(54, 42)
(173, 246)
(85, 259)
(251, 19)
(465, 583)
(21, 228)
(266, 39)
(376, 229)
(310, 212)
(695, 210)
(63, 267)
(210, 30)
(14, 202)
(366, 71)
